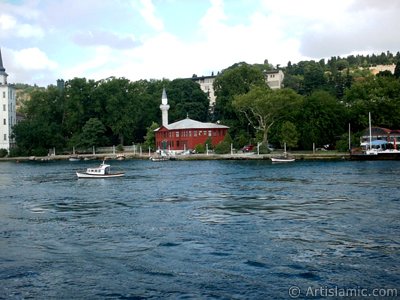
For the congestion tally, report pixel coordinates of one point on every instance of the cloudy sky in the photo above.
(44, 40)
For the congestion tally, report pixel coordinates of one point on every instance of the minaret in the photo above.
(164, 108)
(3, 74)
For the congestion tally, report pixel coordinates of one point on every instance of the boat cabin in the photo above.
(103, 169)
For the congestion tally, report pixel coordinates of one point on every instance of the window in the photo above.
(177, 133)
(4, 107)
(4, 94)
(5, 137)
(195, 133)
(4, 122)
(209, 133)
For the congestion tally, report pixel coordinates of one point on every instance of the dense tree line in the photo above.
(112, 111)
(315, 107)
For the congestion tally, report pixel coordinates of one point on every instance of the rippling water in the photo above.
(197, 229)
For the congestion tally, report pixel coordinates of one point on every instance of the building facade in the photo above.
(274, 78)
(207, 86)
(186, 134)
(8, 114)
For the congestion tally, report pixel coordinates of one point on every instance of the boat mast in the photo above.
(349, 137)
(370, 131)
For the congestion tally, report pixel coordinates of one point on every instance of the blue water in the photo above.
(198, 229)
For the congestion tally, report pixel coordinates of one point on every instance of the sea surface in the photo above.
(200, 230)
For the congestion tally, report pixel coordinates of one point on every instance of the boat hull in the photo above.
(159, 158)
(378, 156)
(98, 176)
(275, 159)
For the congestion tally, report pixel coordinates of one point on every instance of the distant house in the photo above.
(185, 134)
(381, 68)
(274, 78)
(206, 85)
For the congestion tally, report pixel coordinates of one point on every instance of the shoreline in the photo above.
(211, 156)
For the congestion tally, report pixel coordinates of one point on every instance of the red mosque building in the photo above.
(187, 133)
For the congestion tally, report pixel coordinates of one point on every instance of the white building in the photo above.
(274, 78)
(206, 85)
(8, 115)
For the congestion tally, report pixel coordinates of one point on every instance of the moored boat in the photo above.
(282, 159)
(74, 158)
(377, 149)
(102, 171)
(159, 158)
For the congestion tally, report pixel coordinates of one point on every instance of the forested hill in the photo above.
(319, 100)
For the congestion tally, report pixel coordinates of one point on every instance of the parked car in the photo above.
(248, 148)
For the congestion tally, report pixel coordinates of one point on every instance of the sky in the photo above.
(45, 40)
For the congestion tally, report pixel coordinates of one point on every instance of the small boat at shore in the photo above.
(282, 159)
(120, 157)
(102, 171)
(74, 158)
(159, 158)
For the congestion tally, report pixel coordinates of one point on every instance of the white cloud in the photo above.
(7, 22)
(33, 59)
(10, 26)
(101, 37)
(102, 57)
(28, 31)
(214, 16)
(132, 39)
(337, 28)
(148, 13)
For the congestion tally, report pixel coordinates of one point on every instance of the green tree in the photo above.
(313, 77)
(224, 146)
(79, 105)
(321, 119)
(186, 98)
(378, 95)
(263, 107)
(92, 134)
(289, 134)
(236, 80)
(150, 139)
(120, 108)
(397, 70)
(41, 130)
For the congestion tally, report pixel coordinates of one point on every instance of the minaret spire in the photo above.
(3, 74)
(164, 108)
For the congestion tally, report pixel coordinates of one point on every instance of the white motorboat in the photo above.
(103, 171)
(282, 159)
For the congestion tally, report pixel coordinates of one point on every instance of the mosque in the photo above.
(187, 133)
